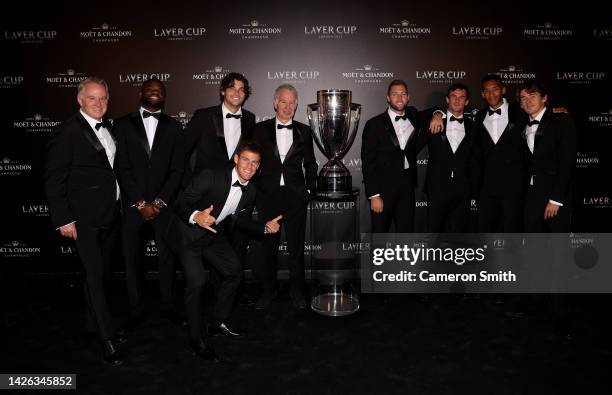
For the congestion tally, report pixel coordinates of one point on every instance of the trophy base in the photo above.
(334, 187)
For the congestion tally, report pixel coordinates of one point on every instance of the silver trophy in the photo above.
(334, 120)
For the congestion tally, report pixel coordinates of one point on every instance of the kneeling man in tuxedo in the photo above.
(214, 204)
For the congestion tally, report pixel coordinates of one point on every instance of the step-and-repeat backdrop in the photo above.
(317, 45)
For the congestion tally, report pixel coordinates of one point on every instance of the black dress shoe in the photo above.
(223, 330)
(173, 316)
(204, 351)
(110, 353)
(298, 301)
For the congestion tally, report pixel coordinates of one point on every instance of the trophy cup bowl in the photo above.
(334, 120)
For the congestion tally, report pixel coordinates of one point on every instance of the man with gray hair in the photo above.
(83, 197)
(286, 179)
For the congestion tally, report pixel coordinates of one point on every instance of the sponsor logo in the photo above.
(587, 160)
(179, 33)
(34, 209)
(36, 124)
(105, 34)
(602, 33)
(420, 203)
(603, 120)
(11, 81)
(150, 248)
(310, 248)
(68, 250)
(183, 117)
(581, 77)
(368, 74)
(352, 163)
(597, 201)
(441, 76)
(9, 167)
(18, 249)
(476, 32)
(356, 247)
(548, 31)
(331, 207)
(330, 31)
(513, 75)
(255, 30)
(405, 30)
(136, 79)
(212, 76)
(293, 76)
(30, 36)
(69, 79)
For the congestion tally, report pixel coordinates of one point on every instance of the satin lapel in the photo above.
(224, 193)
(246, 197)
(272, 136)
(141, 133)
(541, 129)
(90, 135)
(415, 124)
(390, 130)
(297, 139)
(162, 125)
(217, 120)
(467, 128)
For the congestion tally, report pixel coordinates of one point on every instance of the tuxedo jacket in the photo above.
(79, 181)
(382, 159)
(204, 135)
(144, 172)
(446, 168)
(210, 187)
(300, 155)
(554, 156)
(502, 165)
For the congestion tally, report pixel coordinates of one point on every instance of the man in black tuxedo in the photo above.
(389, 147)
(550, 145)
(451, 169)
(283, 187)
(212, 135)
(214, 203)
(83, 197)
(499, 149)
(150, 163)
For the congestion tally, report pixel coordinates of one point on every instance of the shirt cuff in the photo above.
(555, 203)
(191, 220)
(373, 196)
(439, 112)
(69, 223)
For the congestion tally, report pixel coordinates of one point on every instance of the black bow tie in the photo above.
(452, 118)
(237, 116)
(238, 184)
(398, 117)
(534, 122)
(105, 123)
(279, 126)
(498, 112)
(146, 114)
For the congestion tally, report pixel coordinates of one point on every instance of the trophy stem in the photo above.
(334, 180)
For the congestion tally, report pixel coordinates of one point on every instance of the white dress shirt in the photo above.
(403, 130)
(495, 123)
(231, 130)
(284, 140)
(231, 203)
(455, 131)
(150, 125)
(106, 140)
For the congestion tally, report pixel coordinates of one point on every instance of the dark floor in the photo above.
(442, 344)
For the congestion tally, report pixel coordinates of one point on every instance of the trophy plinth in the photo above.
(334, 120)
